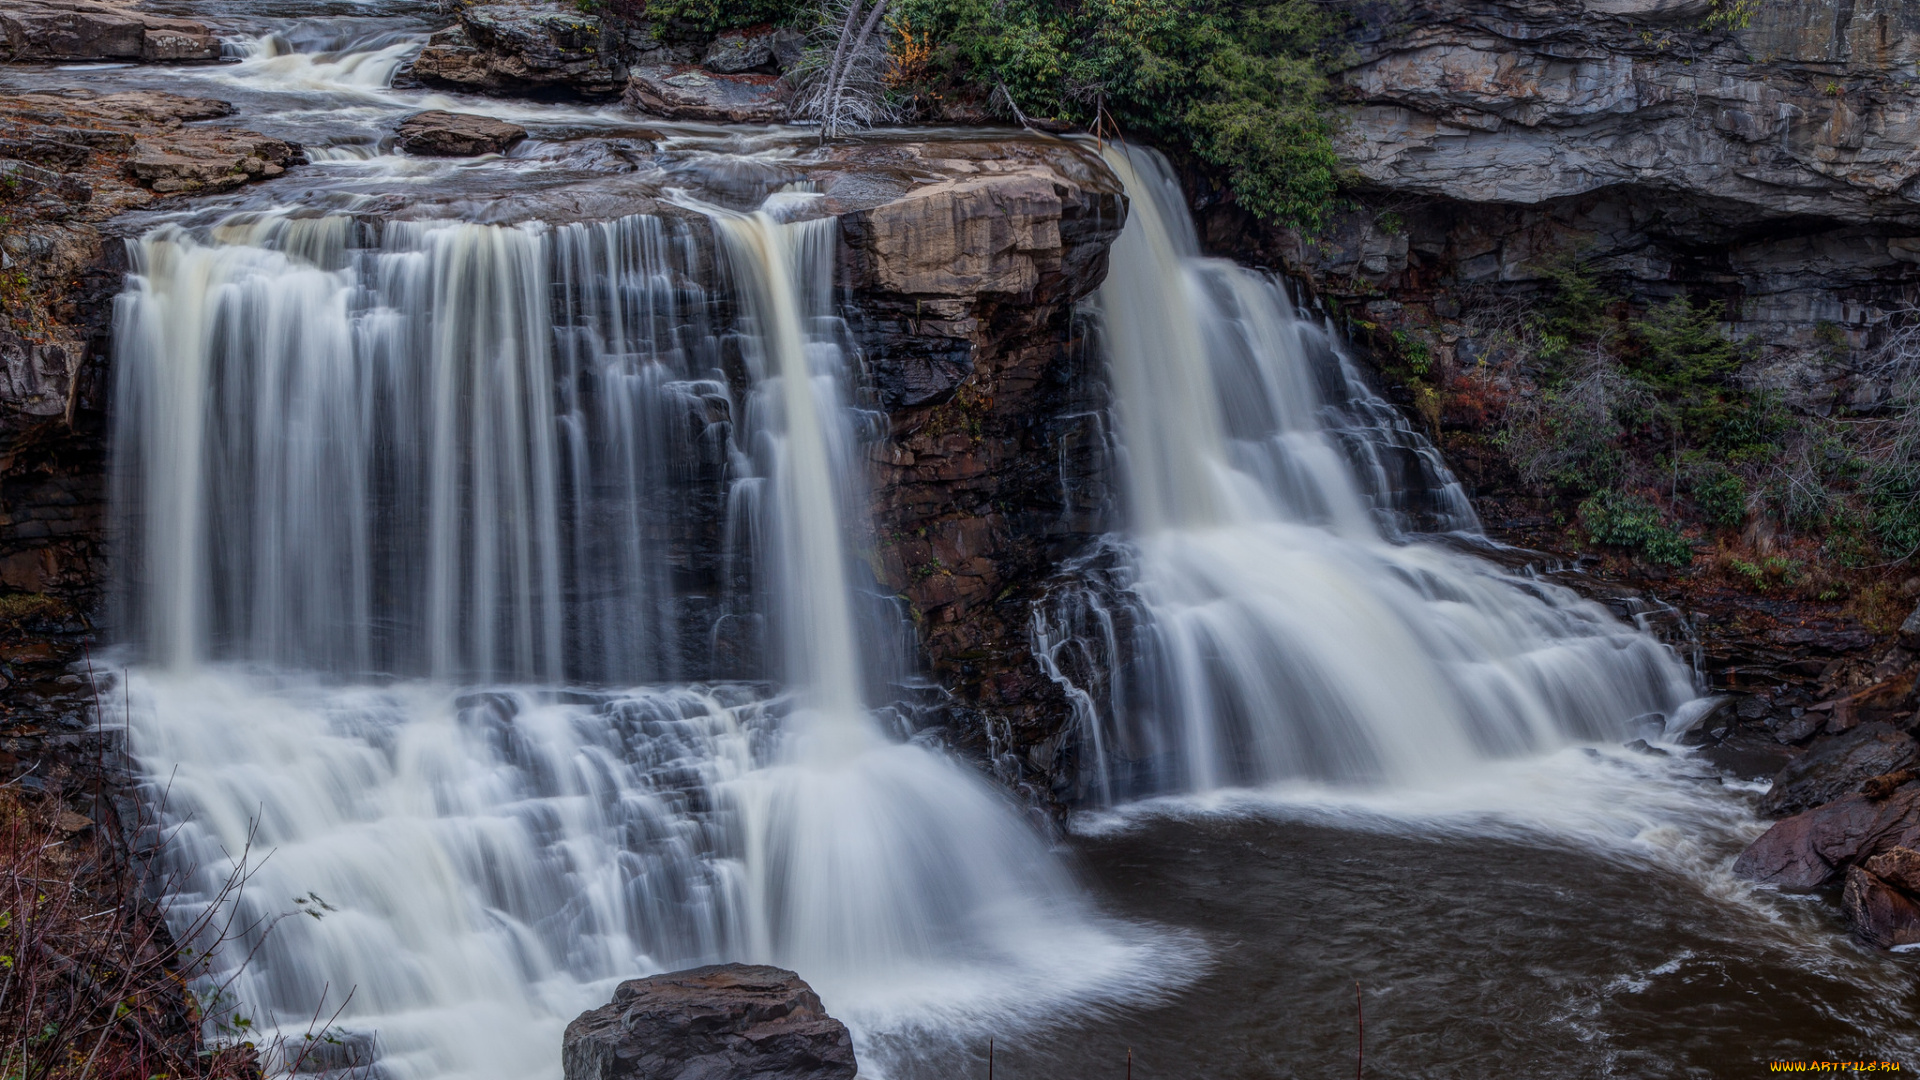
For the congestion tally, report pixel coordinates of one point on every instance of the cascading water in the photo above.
(1260, 623)
(360, 467)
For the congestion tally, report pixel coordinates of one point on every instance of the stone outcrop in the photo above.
(1880, 914)
(762, 49)
(687, 92)
(552, 47)
(1814, 848)
(448, 134)
(724, 1021)
(525, 47)
(1769, 167)
(1839, 766)
(77, 159)
(33, 31)
(207, 160)
(965, 290)
(1532, 102)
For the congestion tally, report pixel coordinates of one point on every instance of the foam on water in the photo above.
(1269, 613)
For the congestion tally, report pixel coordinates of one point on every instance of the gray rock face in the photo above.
(737, 51)
(524, 47)
(1808, 112)
(1770, 167)
(1838, 766)
(721, 1022)
(1910, 629)
(55, 30)
(685, 92)
(446, 134)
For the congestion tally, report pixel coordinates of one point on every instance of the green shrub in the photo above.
(1722, 496)
(1240, 82)
(1684, 346)
(1575, 312)
(1628, 521)
(1894, 508)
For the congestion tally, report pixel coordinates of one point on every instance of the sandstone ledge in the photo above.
(37, 31)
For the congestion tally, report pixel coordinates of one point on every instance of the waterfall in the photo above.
(1266, 618)
(409, 513)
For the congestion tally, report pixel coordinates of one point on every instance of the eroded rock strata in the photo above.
(71, 162)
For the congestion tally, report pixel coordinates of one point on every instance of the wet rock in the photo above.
(1898, 867)
(35, 31)
(1837, 766)
(200, 160)
(1880, 914)
(756, 49)
(447, 134)
(710, 1023)
(686, 92)
(522, 47)
(1800, 728)
(1815, 847)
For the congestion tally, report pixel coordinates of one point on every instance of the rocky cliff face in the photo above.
(992, 472)
(68, 163)
(1772, 167)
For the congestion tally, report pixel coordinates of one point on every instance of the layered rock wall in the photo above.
(994, 469)
(69, 163)
(1773, 167)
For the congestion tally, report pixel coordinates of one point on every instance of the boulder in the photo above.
(999, 232)
(686, 92)
(710, 1023)
(1881, 915)
(1839, 765)
(38, 31)
(201, 160)
(524, 46)
(1898, 867)
(758, 48)
(1813, 848)
(1910, 629)
(447, 134)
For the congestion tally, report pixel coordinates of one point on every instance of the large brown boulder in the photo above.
(1814, 848)
(1836, 766)
(448, 134)
(687, 92)
(36, 31)
(710, 1023)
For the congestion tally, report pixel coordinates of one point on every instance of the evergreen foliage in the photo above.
(1240, 83)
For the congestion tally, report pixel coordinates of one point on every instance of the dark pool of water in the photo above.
(1474, 957)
